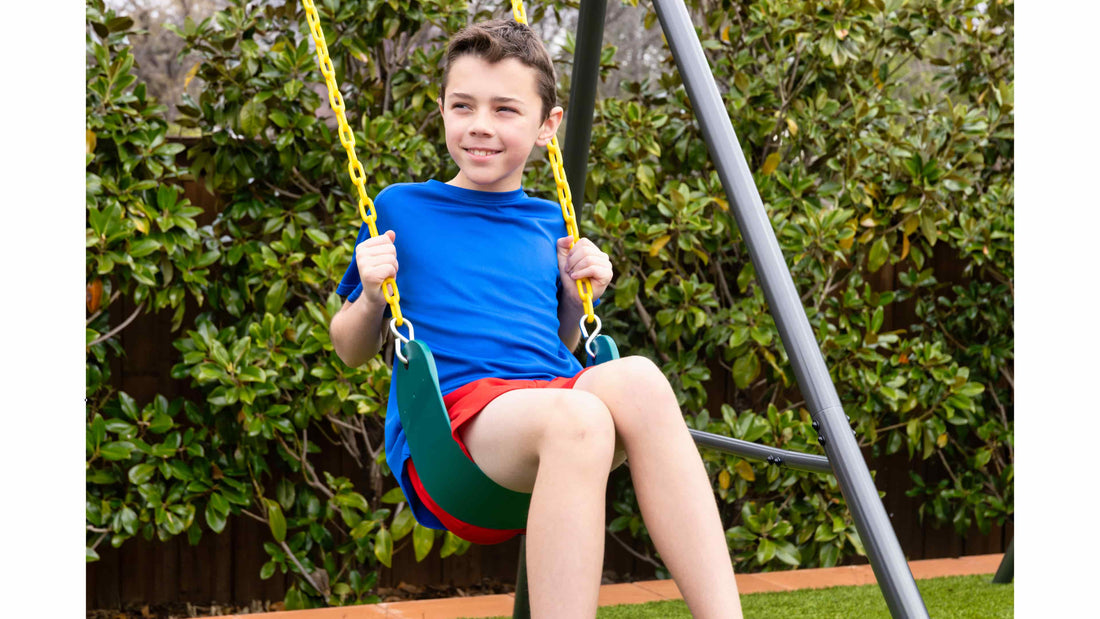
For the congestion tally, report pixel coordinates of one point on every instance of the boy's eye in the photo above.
(506, 109)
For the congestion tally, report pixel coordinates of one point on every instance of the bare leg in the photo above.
(558, 445)
(673, 490)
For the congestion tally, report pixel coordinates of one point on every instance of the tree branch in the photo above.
(116, 330)
(645, 557)
(309, 577)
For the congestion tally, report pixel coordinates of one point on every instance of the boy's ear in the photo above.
(550, 126)
(439, 102)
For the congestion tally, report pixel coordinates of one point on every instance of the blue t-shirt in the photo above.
(478, 277)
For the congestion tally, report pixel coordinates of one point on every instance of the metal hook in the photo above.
(589, 339)
(401, 338)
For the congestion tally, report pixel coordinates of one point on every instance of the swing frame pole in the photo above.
(582, 96)
(879, 539)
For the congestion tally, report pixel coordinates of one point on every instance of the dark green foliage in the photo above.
(881, 134)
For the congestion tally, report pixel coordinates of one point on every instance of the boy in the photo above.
(489, 275)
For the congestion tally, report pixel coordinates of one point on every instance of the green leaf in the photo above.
(765, 551)
(394, 496)
(383, 547)
(276, 296)
(215, 519)
(141, 473)
(745, 369)
(284, 492)
(268, 570)
(423, 539)
(788, 553)
(275, 520)
(452, 545)
(90, 555)
(402, 524)
(253, 118)
(363, 529)
(117, 450)
(880, 251)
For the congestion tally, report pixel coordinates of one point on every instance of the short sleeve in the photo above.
(349, 285)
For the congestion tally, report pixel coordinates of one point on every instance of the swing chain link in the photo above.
(347, 139)
(565, 197)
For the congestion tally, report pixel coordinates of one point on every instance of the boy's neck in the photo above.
(462, 182)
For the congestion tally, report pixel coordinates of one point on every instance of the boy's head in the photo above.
(499, 39)
(498, 102)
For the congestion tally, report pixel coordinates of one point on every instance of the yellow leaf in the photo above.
(904, 247)
(744, 470)
(868, 222)
(941, 440)
(725, 36)
(770, 164)
(724, 479)
(191, 75)
(89, 141)
(658, 244)
(909, 226)
(722, 204)
(792, 126)
(847, 243)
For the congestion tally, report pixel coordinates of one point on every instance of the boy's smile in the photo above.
(492, 116)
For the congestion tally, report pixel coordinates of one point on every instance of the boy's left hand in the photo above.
(583, 260)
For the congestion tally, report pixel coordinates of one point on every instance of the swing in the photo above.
(452, 480)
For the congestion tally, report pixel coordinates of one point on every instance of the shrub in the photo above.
(880, 132)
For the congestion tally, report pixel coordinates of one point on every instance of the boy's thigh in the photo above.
(505, 438)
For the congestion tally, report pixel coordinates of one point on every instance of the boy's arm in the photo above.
(569, 317)
(356, 330)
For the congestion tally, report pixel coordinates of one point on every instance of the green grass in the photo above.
(956, 597)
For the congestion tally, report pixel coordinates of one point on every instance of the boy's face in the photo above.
(492, 115)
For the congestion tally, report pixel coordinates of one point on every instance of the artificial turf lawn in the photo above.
(954, 597)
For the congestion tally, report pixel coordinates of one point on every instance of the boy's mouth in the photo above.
(481, 152)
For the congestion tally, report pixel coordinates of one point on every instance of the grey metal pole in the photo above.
(884, 552)
(521, 606)
(1004, 570)
(773, 455)
(582, 95)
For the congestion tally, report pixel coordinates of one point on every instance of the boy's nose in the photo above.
(481, 125)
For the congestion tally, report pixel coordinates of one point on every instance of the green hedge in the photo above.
(877, 129)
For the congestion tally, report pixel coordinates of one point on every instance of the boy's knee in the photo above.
(580, 420)
(642, 370)
(639, 379)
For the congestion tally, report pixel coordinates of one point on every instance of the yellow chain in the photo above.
(584, 287)
(347, 138)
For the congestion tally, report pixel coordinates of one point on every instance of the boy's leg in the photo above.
(558, 444)
(670, 480)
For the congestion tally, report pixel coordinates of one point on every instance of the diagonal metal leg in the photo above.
(884, 552)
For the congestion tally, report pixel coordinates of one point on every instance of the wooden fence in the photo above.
(225, 568)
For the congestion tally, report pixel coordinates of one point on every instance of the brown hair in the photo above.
(495, 40)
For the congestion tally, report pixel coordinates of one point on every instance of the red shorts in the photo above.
(463, 404)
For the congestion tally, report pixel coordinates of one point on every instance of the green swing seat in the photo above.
(453, 481)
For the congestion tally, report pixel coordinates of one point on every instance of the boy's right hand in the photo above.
(376, 258)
